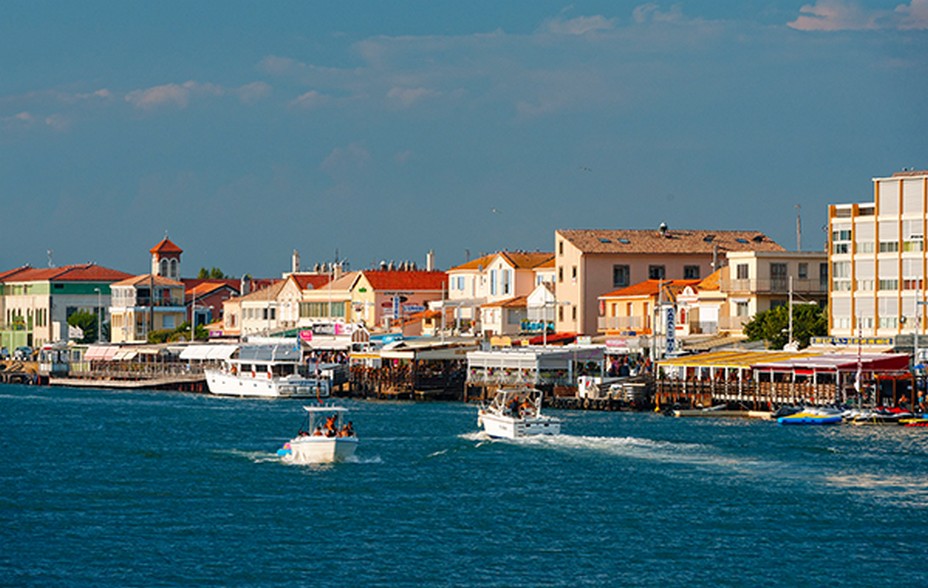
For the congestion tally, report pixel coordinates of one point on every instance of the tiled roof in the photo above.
(203, 287)
(405, 280)
(550, 264)
(650, 288)
(146, 279)
(527, 260)
(710, 282)
(645, 241)
(87, 272)
(310, 281)
(166, 246)
(517, 302)
(518, 260)
(268, 293)
(475, 264)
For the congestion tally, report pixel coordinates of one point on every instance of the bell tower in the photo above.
(165, 259)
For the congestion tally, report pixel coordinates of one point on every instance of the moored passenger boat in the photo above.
(267, 371)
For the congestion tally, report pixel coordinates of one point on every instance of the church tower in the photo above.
(165, 259)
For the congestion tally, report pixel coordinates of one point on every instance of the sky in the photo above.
(370, 130)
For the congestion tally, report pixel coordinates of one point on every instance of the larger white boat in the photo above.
(515, 413)
(326, 437)
(267, 371)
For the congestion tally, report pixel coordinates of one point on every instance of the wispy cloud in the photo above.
(846, 15)
(166, 94)
(580, 25)
(253, 92)
(651, 12)
(310, 100)
(343, 161)
(406, 97)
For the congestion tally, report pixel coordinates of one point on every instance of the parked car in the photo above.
(23, 353)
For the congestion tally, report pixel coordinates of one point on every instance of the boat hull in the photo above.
(507, 427)
(260, 386)
(310, 450)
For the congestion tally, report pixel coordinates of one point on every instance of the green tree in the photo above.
(213, 273)
(772, 326)
(87, 321)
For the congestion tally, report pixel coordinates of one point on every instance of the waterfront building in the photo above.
(204, 298)
(145, 303)
(490, 284)
(590, 263)
(385, 296)
(635, 310)
(35, 303)
(757, 281)
(257, 313)
(878, 260)
(332, 302)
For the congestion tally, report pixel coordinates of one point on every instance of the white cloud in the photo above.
(580, 25)
(651, 12)
(19, 120)
(406, 97)
(344, 160)
(253, 92)
(57, 122)
(846, 15)
(178, 95)
(310, 100)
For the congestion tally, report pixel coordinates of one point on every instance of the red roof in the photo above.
(166, 246)
(650, 288)
(87, 272)
(405, 280)
(310, 281)
(146, 279)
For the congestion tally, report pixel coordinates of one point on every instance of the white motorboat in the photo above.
(515, 413)
(267, 371)
(326, 437)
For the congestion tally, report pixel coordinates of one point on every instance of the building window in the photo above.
(507, 281)
(889, 246)
(560, 313)
(560, 274)
(620, 276)
(690, 272)
(573, 273)
(560, 248)
(741, 309)
(493, 285)
(741, 271)
(803, 271)
(656, 272)
(573, 312)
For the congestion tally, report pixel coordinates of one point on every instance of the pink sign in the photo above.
(306, 336)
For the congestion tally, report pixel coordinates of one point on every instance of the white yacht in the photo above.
(326, 437)
(515, 413)
(268, 371)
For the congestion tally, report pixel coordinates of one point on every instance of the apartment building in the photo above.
(878, 261)
(590, 263)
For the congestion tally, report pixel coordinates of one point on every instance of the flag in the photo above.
(75, 332)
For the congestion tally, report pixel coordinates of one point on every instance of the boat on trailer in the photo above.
(325, 437)
(516, 413)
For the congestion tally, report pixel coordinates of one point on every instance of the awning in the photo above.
(101, 352)
(125, 354)
(208, 352)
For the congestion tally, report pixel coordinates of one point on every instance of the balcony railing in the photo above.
(774, 286)
(621, 323)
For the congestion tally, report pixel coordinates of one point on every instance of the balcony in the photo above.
(732, 323)
(773, 286)
(622, 323)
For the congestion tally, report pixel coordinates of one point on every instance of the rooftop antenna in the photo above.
(50, 253)
(798, 228)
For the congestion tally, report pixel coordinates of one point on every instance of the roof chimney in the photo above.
(663, 229)
(295, 262)
(430, 260)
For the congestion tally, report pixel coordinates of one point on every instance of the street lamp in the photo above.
(99, 311)
(193, 318)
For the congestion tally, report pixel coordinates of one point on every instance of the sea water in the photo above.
(143, 488)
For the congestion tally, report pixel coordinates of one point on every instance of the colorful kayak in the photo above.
(810, 418)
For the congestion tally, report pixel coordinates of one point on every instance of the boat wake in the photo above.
(897, 490)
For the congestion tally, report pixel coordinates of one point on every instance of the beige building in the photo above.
(145, 303)
(590, 263)
(878, 260)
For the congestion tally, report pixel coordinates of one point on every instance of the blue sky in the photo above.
(385, 129)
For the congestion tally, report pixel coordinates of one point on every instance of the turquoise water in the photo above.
(104, 488)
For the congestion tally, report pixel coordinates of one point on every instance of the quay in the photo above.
(21, 372)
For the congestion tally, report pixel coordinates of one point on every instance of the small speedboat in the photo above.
(515, 413)
(882, 416)
(811, 417)
(326, 437)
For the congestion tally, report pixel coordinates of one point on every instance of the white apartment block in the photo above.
(877, 259)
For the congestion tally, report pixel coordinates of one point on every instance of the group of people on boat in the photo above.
(330, 429)
(521, 408)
